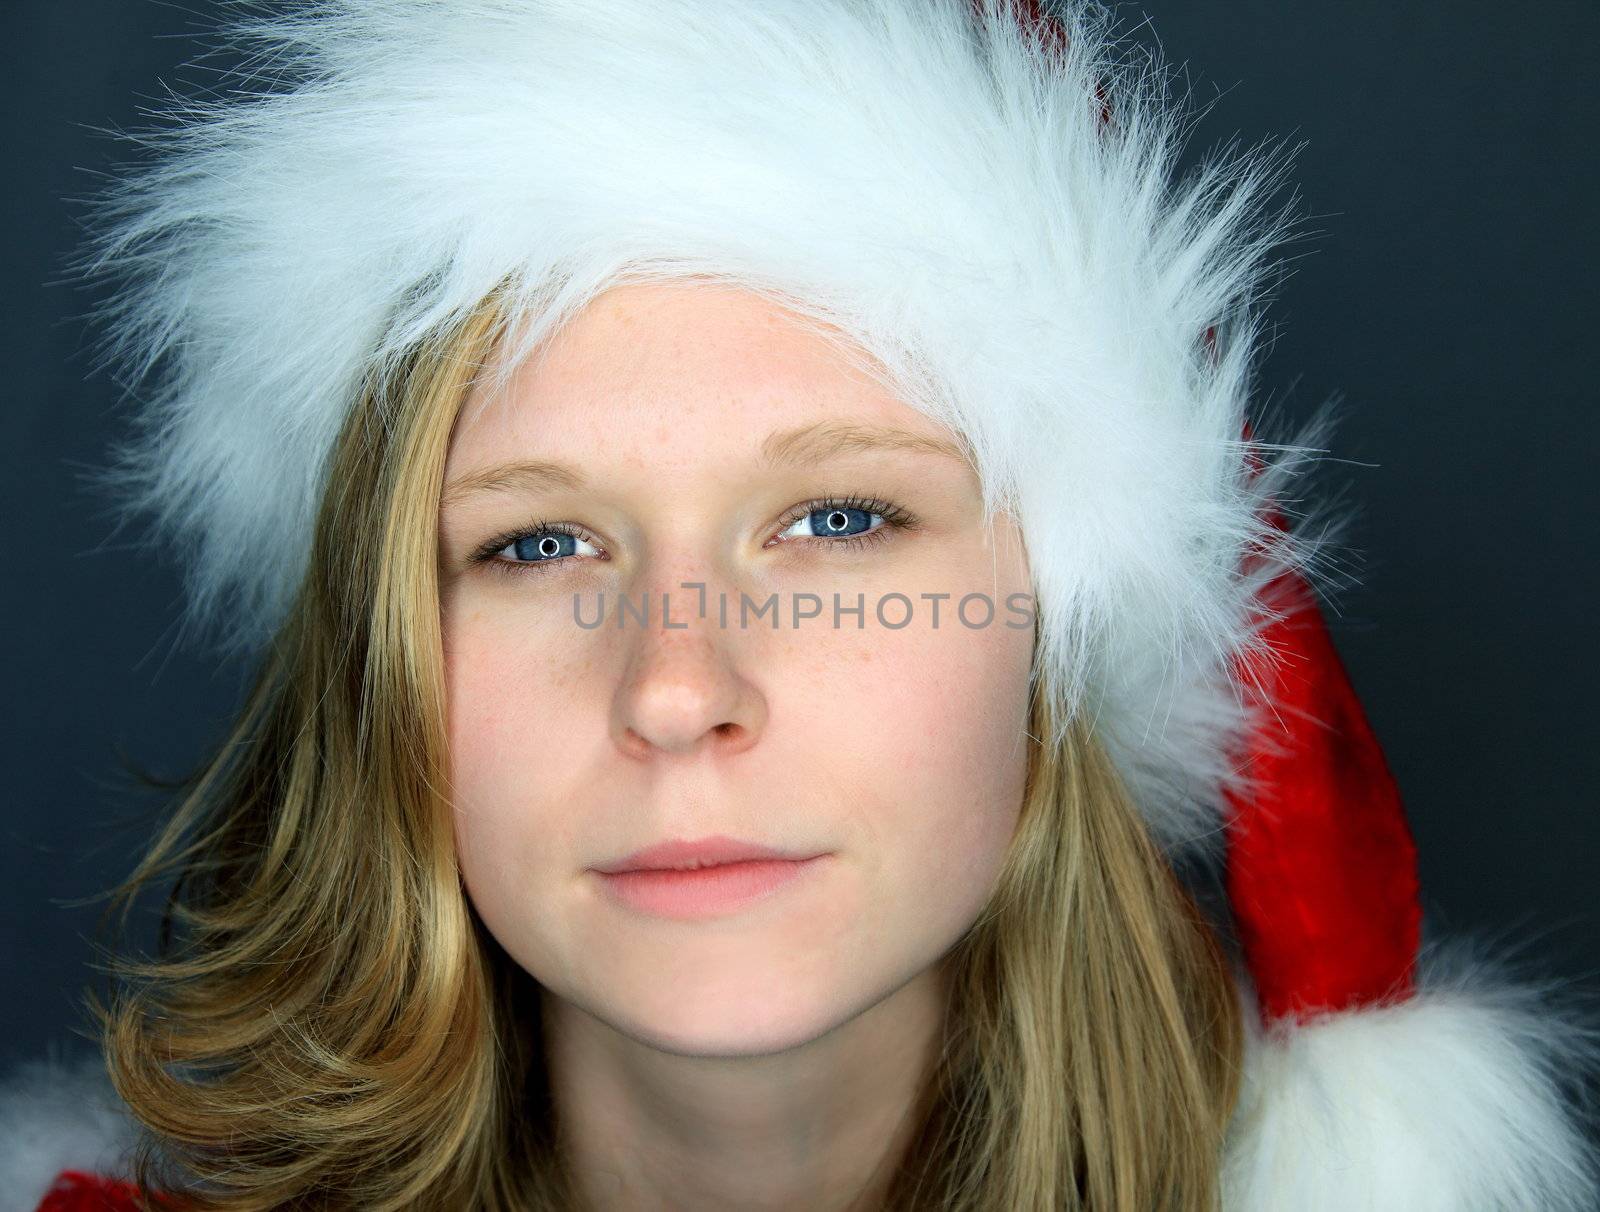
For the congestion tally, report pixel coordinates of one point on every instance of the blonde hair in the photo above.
(327, 1023)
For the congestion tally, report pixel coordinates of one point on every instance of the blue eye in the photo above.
(533, 548)
(835, 523)
(832, 524)
(542, 547)
(845, 522)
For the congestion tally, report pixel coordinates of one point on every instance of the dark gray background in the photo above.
(1448, 295)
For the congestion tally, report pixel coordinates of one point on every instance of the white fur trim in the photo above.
(942, 191)
(1451, 1102)
(59, 1114)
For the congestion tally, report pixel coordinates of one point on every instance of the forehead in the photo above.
(658, 365)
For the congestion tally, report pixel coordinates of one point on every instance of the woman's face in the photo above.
(704, 441)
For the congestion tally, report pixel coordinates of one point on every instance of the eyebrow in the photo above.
(803, 446)
(524, 475)
(822, 440)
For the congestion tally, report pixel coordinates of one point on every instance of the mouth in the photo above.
(709, 889)
(717, 851)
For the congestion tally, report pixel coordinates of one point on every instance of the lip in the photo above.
(680, 855)
(702, 892)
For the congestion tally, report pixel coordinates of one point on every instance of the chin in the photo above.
(735, 1019)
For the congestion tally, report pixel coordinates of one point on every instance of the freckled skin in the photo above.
(898, 751)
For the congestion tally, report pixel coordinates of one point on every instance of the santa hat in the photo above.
(985, 199)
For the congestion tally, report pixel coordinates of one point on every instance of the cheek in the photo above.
(509, 724)
(947, 712)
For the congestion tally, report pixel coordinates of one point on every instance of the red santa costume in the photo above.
(985, 198)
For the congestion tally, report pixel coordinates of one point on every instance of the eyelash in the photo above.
(894, 518)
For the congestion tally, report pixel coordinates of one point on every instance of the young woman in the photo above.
(773, 632)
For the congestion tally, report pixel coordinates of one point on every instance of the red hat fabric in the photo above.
(1322, 868)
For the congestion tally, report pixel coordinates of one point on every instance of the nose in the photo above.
(682, 692)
